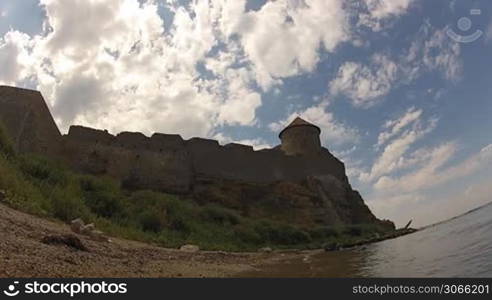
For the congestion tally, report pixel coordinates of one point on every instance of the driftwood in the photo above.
(408, 224)
(68, 240)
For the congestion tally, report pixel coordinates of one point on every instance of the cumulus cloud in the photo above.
(367, 84)
(14, 57)
(380, 11)
(283, 38)
(118, 64)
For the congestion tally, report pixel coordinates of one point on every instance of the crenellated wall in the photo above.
(299, 179)
(169, 163)
(161, 162)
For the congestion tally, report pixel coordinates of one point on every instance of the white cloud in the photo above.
(441, 53)
(394, 127)
(112, 64)
(14, 57)
(258, 144)
(241, 101)
(394, 156)
(333, 132)
(424, 208)
(380, 11)
(365, 85)
(283, 38)
(432, 174)
(437, 190)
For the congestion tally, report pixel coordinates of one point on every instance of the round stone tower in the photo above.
(301, 138)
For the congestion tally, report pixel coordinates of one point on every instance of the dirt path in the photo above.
(22, 254)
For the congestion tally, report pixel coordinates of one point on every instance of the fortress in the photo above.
(297, 176)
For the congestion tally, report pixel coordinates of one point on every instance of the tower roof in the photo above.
(297, 123)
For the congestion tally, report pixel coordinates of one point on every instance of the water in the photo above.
(461, 247)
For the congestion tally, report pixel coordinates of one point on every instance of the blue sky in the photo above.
(401, 99)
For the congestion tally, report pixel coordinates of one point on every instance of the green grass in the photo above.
(41, 187)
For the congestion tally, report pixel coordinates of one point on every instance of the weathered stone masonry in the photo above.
(170, 164)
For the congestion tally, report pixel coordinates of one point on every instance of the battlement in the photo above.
(164, 161)
(81, 133)
(239, 147)
(197, 167)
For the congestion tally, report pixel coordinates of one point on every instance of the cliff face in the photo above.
(303, 189)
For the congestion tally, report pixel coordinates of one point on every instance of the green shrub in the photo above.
(219, 215)
(21, 193)
(43, 170)
(152, 220)
(39, 186)
(102, 196)
(181, 215)
(353, 230)
(363, 230)
(248, 235)
(67, 205)
(281, 234)
(324, 232)
(6, 145)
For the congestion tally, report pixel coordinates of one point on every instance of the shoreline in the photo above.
(23, 254)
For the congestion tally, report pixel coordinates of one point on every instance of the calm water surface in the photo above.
(461, 247)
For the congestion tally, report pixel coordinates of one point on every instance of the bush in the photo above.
(281, 234)
(353, 230)
(6, 145)
(181, 215)
(363, 229)
(219, 215)
(43, 170)
(152, 220)
(39, 186)
(247, 235)
(102, 196)
(21, 193)
(67, 205)
(324, 232)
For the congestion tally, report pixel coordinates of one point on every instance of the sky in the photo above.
(400, 88)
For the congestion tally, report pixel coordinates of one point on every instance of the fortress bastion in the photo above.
(298, 175)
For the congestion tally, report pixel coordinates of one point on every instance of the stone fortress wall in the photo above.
(163, 162)
(28, 121)
(169, 163)
(299, 177)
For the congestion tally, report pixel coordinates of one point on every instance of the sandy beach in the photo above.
(22, 254)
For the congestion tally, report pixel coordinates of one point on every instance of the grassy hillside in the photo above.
(38, 186)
